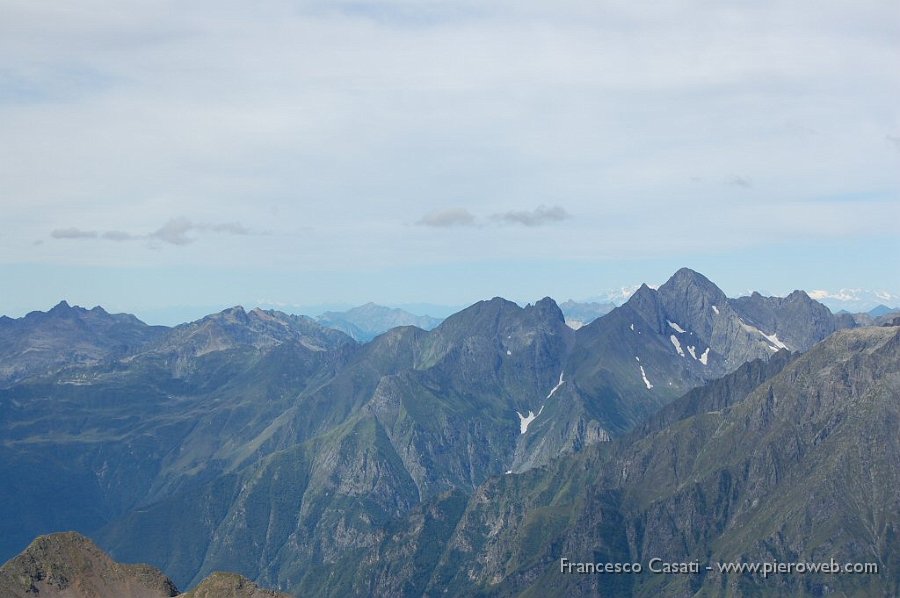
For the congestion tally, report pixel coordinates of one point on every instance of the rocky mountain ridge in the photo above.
(258, 429)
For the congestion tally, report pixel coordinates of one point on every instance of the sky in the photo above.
(164, 158)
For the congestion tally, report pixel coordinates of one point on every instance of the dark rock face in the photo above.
(799, 321)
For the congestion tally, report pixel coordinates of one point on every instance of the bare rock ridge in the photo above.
(230, 585)
(69, 565)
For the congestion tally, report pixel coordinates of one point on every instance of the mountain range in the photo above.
(464, 459)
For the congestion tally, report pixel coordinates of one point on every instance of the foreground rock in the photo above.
(69, 565)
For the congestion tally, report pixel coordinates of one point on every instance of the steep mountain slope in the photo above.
(795, 321)
(805, 467)
(65, 336)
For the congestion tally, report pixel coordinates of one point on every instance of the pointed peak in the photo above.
(688, 276)
(64, 310)
(685, 279)
(545, 303)
(644, 291)
(799, 295)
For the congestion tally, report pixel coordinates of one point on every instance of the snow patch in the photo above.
(636, 357)
(677, 344)
(705, 357)
(632, 327)
(692, 351)
(525, 420)
(574, 324)
(715, 309)
(774, 340)
(644, 376)
(508, 352)
(555, 388)
(675, 327)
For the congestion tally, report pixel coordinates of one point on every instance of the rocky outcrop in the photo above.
(68, 565)
(230, 585)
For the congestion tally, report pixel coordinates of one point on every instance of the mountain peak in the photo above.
(687, 282)
(62, 309)
(547, 307)
(685, 277)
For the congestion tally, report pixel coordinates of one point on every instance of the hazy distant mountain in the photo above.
(882, 310)
(68, 565)
(582, 314)
(278, 447)
(367, 321)
(855, 300)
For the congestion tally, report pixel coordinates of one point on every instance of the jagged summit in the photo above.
(547, 307)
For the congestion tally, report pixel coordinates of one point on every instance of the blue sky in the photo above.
(161, 156)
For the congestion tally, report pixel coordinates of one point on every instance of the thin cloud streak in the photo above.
(73, 233)
(459, 217)
(739, 181)
(450, 218)
(174, 232)
(540, 216)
